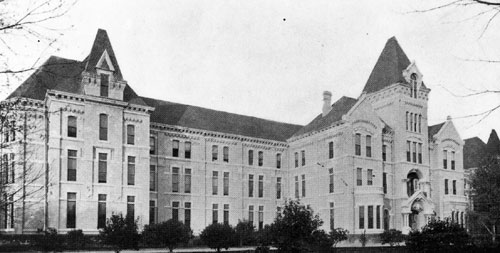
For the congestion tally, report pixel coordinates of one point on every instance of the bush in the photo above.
(438, 235)
(391, 237)
(245, 233)
(120, 233)
(49, 241)
(337, 235)
(218, 236)
(169, 234)
(363, 239)
(75, 239)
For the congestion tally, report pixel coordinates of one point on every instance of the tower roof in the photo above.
(493, 145)
(101, 44)
(389, 67)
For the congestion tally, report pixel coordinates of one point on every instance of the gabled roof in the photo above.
(339, 108)
(102, 43)
(218, 121)
(434, 129)
(389, 67)
(473, 152)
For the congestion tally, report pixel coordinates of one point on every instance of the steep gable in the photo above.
(493, 144)
(102, 44)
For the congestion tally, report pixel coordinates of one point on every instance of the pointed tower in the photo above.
(493, 145)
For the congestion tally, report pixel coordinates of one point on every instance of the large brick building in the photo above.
(367, 163)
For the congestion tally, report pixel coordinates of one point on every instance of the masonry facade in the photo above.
(365, 164)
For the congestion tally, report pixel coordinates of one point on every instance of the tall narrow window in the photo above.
(103, 127)
(261, 217)
(71, 165)
(331, 186)
(330, 150)
(71, 210)
(131, 170)
(72, 126)
(303, 155)
(357, 144)
(187, 180)
(420, 153)
(226, 214)
(445, 159)
(361, 217)
(13, 128)
(368, 146)
(187, 150)
(175, 179)
(152, 146)
(454, 185)
(261, 186)
(187, 214)
(103, 167)
(130, 134)
(384, 182)
(225, 183)
(13, 169)
(101, 211)
(215, 182)
(420, 123)
(359, 176)
(261, 158)
(104, 85)
(411, 122)
(407, 117)
(278, 188)
(332, 216)
(215, 152)
(296, 156)
(446, 186)
(378, 217)
(250, 214)
(225, 154)
(131, 207)
(415, 123)
(386, 219)
(297, 187)
(453, 160)
(278, 161)
(408, 151)
(384, 152)
(370, 217)
(415, 152)
(250, 157)
(303, 186)
(175, 148)
(369, 177)
(175, 210)
(4, 172)
(215, 213)
(250, 186)
(152, 212)
(152, 178)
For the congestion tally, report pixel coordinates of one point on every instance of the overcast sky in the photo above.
(273, 59)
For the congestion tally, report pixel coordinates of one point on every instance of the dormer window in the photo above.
(413, 85)
(104, 85)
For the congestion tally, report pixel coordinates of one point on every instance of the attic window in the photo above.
(104, 85)
(413, 85)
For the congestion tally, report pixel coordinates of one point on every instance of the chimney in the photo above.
(327, 102)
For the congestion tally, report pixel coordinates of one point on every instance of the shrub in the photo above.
(169, 234)
(75, 239)
(391, 237)
(337, 235)
(217, 236)
(120, 233)
(363, 239)
(49, 241)
(245, 233)
(438, 235)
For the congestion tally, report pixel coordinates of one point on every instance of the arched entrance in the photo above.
(416, 217)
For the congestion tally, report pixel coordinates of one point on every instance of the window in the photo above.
(330, 150)
(332, 216)
(384, 152)
(446, 186)
(250, 214)
(407, 115)
(453, 160)
(261, 186)
(130, 134)
(384, 181)
(152, 212)
(296, 159)
(187, 180)
(278, 188)
(261, 158)
(226, 214)
(420, 153)
(225, 183)
(103, 167)
(104, 85)
(215, 182)
(250, 186)
(370, 217)
(215, 152)
(175, 179)
(303, 186)
(445, 159)
(368, 146)
(152, 178)
(297, 187)
(4, 173)
(13, 169)
(175, 148)
(187, 214)
(13, 130)
(131, 207)
(408, 151)
(152, 146)
(369, 177)
(411, 122)
(357, 144)
(103, 127)
(250, 157)
(261, 217)
(415, 123)
(225, 154)
(71, 210)
(215, 213)
(71, 165)
(361, 217)
(359, 176)
(175, 210)
(187, 150)
(331, 188)
(415, 152)
(378, 217)
(454, 185)
(420, 123)
(72, 126)
(131, 170)
(101, 211)
(303, 155)
(278, 161)
(386, 219)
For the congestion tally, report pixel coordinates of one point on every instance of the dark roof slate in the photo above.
(218, 121)
(473, 152)
(102, 43)
(389, 67)
(434, 129)
(339, 108)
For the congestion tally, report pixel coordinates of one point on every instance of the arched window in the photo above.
(103, 127)
(413, 84)
(72, 126)
(412, 183)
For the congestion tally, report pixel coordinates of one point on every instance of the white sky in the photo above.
(273, 59)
